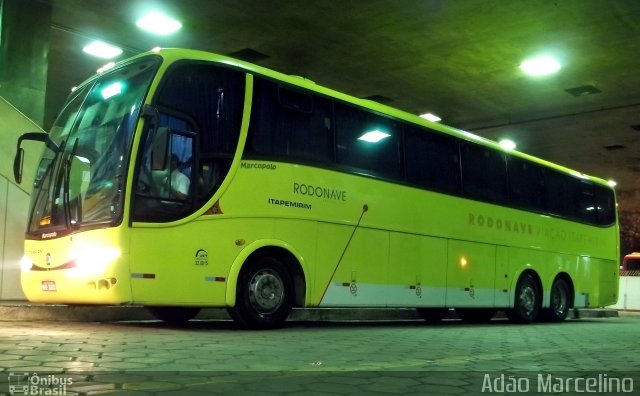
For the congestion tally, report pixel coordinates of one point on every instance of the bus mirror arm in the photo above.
(19, 158)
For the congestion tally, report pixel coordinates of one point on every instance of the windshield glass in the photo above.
(82, 182)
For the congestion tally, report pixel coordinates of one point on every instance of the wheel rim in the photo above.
(527, 300)
(266, 291)
(559, 299)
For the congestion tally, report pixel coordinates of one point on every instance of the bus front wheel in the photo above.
(527, 301)
(264, 294)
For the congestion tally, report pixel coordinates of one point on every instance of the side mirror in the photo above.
(17, 165)
(19, 158)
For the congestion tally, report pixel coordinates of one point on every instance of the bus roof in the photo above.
(174, 54)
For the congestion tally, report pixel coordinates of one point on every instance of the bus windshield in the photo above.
(80, 179)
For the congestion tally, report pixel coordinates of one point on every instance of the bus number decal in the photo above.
(202, 257)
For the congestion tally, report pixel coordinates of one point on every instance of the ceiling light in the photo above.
(507, 144)
(374, 136)
(106, 67)
(430, 117)
(102, 50)
(112, 90)
(157, 23)
(540, 66)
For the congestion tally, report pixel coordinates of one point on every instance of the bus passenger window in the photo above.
(433, 160)
(368, 143)
(526, 184)
(484, 173)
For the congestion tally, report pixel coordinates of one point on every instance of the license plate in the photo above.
(48, 285)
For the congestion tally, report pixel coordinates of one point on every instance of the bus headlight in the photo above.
(26, 264)
(93, 261)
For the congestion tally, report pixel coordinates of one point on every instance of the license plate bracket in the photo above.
(49, 286)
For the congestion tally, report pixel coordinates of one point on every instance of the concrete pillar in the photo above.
(24, 48)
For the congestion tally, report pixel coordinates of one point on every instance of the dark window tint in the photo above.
(186, 156)
(367, 142)
(483, 173)
(432, 160)
(571, 197)
(585, 201)
(631, 264)
(211, 99)
(289, 124)
(526, 184)
(605, 203)
(559, 193)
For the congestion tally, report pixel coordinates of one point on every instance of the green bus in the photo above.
(181, 179)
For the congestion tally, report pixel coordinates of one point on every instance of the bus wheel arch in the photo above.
(561, 299)
(527, 298)
(264, 286)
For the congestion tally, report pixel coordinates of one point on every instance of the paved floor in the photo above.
(320, 358)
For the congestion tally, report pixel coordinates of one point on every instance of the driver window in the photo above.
(165, 185)
(189, 145)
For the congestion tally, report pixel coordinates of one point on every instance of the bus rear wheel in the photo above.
(475, 315)
(527, 303)
(560, 302)
(264, 294)
(174, 315)
(432, 315)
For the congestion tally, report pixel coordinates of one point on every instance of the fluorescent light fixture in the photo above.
(540, 66)
(612, 183)
(112, 90)
(102, 50)
(158, 23)
(507, 144)
(374, 136)
(430, 117)
(106, 67)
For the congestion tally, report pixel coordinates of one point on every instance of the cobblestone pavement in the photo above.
(320, 358)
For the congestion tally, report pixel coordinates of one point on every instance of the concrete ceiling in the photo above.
(456, 58)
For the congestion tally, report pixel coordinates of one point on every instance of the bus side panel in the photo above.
(600, 287)
(471, 274)
(417, 271)
(361, 275)
(189, 264)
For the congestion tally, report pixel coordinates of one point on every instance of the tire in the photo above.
(174, 315)
(475, 315)
(264, 294)
(432, 315)
(560, 302)
(527, 302)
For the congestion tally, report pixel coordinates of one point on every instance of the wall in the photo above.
(14, 199)
(629, 293)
